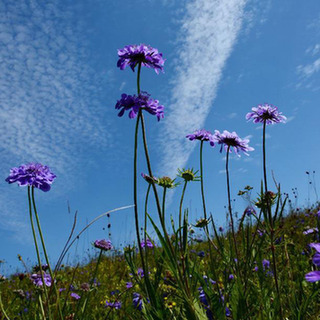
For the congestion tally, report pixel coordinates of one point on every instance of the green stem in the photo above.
(2, 310)
(145, 216)
(86, 302)
(180, 210)
(164, 203)
(37, 249)
(229, 205)
(267, 198)
(45, 253)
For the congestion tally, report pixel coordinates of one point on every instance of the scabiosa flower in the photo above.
(167, 182)
(37, 279)
(114, 305)
(32, 174)
(202, 135)
(232, 140)
(74, 296)
(148, 178)
(103, 244)
(129, 285)
(313, 276)
(147, 244)
(265, 264)
(137, 301)
(188, 175)
(132, 55)
(249, 211)
(135, 103)
(309, 231)
(266, 113)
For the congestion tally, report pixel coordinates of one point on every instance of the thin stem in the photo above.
(229, 205)
(138, 78)
(164, 202)
(180, 209)
(202, 188)
(135, 188)
(145, 217)
(37, 248)
(45, 252)
(86, 302)
(267, 198)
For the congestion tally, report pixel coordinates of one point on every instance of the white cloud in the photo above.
(309, 69)
(49, 110)
(209, 32)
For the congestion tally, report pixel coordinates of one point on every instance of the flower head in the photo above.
(137, 301)
(74, 296)
(114, 305)
(135, 103)
(37, 279)
(313, 276)
(266, 113)
(147, 244)
(167, 182)
(132, 55)
(202, 135)
(103, 244)
(232, 140)
(188, 174)
(148, 178)
(32, 174)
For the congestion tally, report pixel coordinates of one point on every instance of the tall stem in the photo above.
(229, 205)
(268, 203)
(164, 203)
(180, 209)
(202, 188)
(37, 248)
(45, 254)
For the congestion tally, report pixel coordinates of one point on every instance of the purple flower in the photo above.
(148, 178)
(37, 279)
(132, 55)
(129, 285)
(315, 246)
(313, 276)
(32, 174)
(75, 296)
(137, 301)
(265, 264)
(202, 135)
(103, 244)
(147, 244)
(232, 140)
(231, 277)
(309, 231)
(135, 103)
(114, 305)
(266, 113)
(316, 259)
(249, 211)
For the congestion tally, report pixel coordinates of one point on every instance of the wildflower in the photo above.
(309, 231)
(266, 113)
(202, 135)
(137, 301)
(232, 140)
(188, 174)
(132, 55)
(85, 286)
(148, 178)
(129, 285)
(231, 276)
(37, 279)
(220, 229)
(201, 254)
(147, 244)
(167, 182)
(135, 103)
(32, 174)
(114, 305)
(265, 264)
(201, 223)
(103, 244)
(249, 211)
(74, 296)
(313, 276)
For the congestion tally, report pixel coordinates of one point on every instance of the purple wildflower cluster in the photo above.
(134, 103)
(314, 276)
(37, 279)
(103, 244)
(266, 113)
(202, 135)
(32, 174)
(132, 55)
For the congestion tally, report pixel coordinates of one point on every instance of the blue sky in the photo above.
(59, 84)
